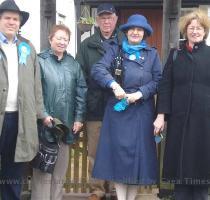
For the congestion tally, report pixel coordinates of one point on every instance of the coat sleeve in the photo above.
(101, 71)
(38, 90)
(42, 74)
(149, 89)
(80, 99)
(81, 57)
(165, 87)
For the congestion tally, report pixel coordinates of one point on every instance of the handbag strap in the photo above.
(118, 70)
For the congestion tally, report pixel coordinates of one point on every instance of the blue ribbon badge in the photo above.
(23, 50)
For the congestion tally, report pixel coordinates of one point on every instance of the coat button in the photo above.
(196, 46)
(4, 89)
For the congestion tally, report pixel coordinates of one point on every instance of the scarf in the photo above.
(134, 51)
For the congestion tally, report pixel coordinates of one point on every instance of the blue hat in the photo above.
(137, 21)
(105, 8)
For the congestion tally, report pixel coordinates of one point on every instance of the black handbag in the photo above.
(46, 157)
(49, 139)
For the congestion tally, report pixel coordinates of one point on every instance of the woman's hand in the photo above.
(159, 124)
(77, 127)
(48, 121)
(118, 91)
(133, 97)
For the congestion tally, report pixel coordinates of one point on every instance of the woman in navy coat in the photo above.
(126, 152)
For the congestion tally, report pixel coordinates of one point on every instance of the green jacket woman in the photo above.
(64, 93)
(64, 89)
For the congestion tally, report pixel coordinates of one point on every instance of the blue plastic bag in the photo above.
(121, 105)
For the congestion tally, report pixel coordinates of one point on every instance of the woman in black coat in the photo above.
(184, 101)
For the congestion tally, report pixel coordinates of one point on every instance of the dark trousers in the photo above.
(11, 172)
(191, 192)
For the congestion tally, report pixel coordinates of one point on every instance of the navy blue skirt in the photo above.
(126, 152)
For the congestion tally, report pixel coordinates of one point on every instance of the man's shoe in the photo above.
(94, 197)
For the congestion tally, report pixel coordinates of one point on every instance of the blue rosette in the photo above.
(23, 51)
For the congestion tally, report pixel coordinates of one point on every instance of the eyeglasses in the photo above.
(199, 28)
(109, 19)
(61, 38)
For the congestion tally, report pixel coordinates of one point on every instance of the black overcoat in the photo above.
(184, 96)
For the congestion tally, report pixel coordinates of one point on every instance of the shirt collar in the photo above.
(51, 52)
(112, 37)
(4, 40)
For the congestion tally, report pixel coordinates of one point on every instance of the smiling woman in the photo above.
(64, 92)
(195, 32)
(135, 35)
(195, 27)
(59, 39)
(183, 99)
(126, 155)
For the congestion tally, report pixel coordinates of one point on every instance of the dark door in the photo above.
(155, 19)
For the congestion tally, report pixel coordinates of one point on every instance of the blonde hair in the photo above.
(200, 16)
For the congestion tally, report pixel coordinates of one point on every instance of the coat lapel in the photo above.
(4, 60)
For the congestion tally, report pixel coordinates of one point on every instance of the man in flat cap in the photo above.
(20, 100)
(91, 51)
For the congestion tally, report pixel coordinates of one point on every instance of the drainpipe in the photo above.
(170, 36)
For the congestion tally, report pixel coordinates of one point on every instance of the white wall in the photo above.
(206, 8)
(31, 30)
(68, 16)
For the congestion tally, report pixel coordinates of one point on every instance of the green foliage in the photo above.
(87, 20)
